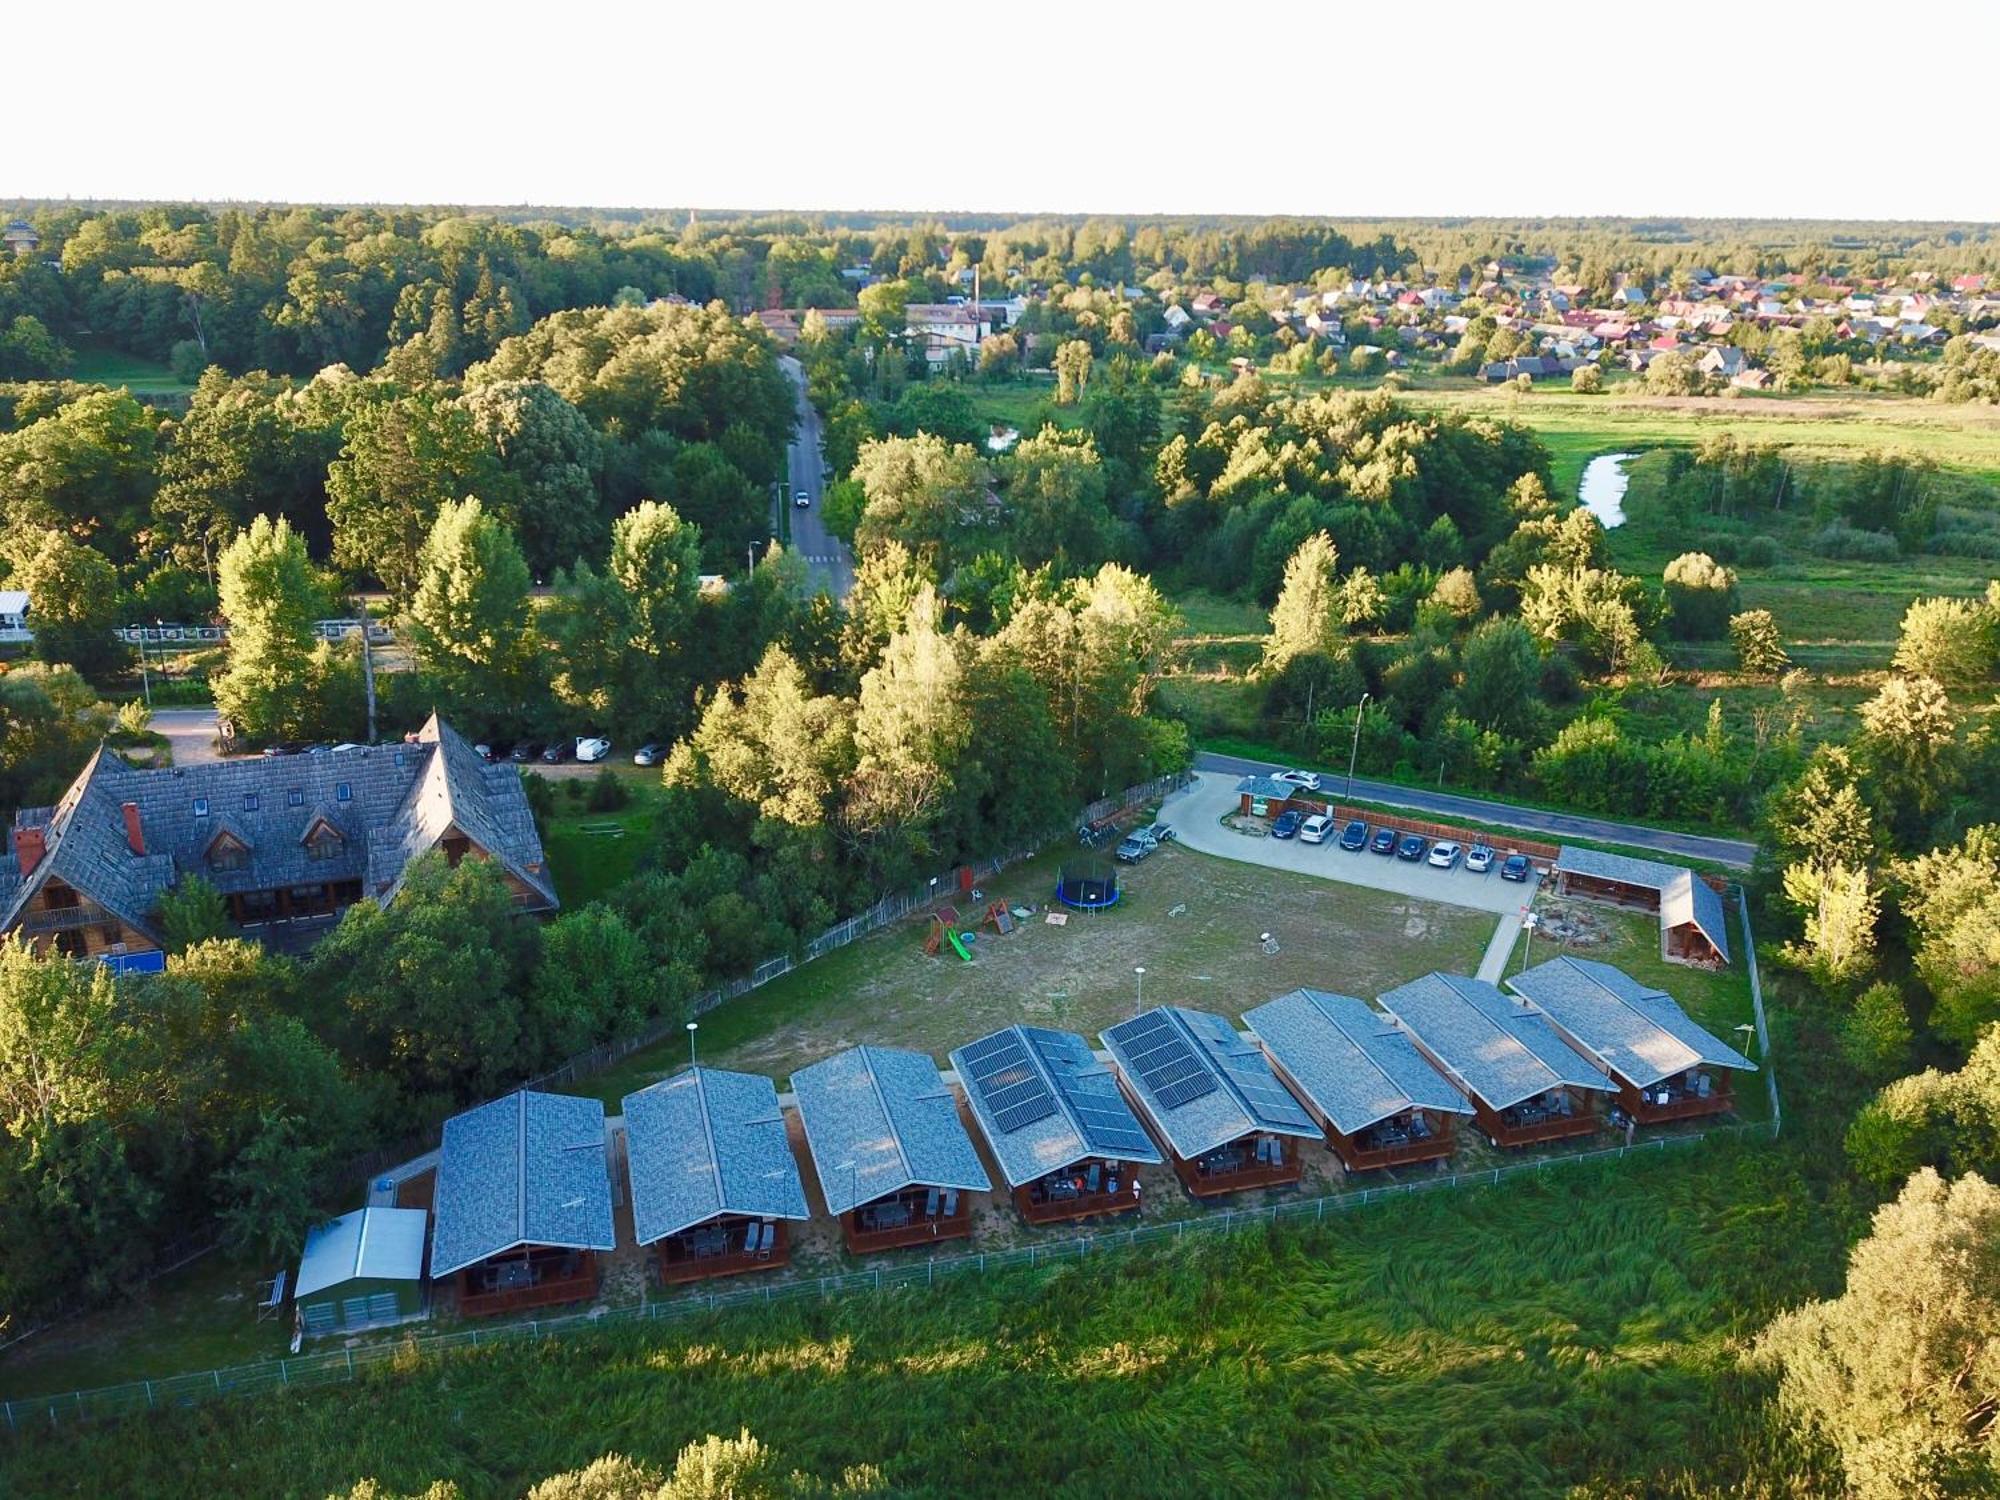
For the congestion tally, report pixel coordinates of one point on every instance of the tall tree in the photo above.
(626, 637)
(470, 616)
(73, 601)
(1310, 613)
(270, 601)
(554, 457)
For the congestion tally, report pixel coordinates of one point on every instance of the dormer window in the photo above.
(201, 807)
(249, 801)
(323, 841)
(296, 797)
(227, 854)
(344, 792)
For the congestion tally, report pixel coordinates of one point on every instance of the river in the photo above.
(1602, 489)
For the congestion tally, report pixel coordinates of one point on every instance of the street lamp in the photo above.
(1527, 939)
(1749, 1034)
(692, 1026)
(1354, 750)
(1139, 971)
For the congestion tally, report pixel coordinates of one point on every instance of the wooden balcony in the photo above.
(518, 1282)
(717, 1249)
(1365, 1151)
(1680, 1103)
(905, 1219)
(1235, 1169)
(1048, 1203)
(1516, 1127)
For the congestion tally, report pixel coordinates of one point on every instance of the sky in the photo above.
(1772, 109)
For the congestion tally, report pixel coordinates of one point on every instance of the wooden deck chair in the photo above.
(950, 1202)
(930, 1203)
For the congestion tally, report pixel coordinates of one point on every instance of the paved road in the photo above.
(191, 733)
(1736, 853)
(832, 564)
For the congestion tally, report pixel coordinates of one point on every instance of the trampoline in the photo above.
(1088, 887)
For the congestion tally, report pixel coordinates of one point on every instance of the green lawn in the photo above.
(592, 854)
(1193, 920)
(1572, 1333)
(115, 367)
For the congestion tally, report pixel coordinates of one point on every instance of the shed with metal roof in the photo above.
(523, 1202)
(1052, 1114)
(1381, 1102)
(1228, 1122)
(1667, 1066)
(364, 1269)
(893, 1158)
(1525, 1083)
(714, 1180)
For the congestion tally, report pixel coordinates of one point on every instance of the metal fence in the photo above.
(340, 1366)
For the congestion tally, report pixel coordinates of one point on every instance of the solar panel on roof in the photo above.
(1100, 1111)
(998, 1071)
(1166, 1064)
(1270, 1101)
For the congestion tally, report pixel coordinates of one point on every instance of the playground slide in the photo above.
(957, 945)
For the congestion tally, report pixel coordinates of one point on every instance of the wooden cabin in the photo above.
(1693, 926)
(1525, 1083)
(1379, 1100)
(1666, 1066)
(895, 1163)
(1228, 1123)
(1065, 1138)
(715, 1186)
(523, 1203)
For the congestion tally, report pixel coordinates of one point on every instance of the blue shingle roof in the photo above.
(706, 1143)
(1239, 1094)
(1350, 1060)
(1495, 1048)
(1639, 1033)
(889, 1113)
(1684, 898)
(527, 1169)
(1090, 1117)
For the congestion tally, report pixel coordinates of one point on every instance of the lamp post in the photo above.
(692, 1027)
(1139, 972)
(1528, 922)
(1354, 750)
(1749, 1035)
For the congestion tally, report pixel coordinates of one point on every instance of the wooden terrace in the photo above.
(1082, 1191)
(1678, 1099)
(914, 1216)
(537, 1276)
(1249, 1162)
(1399, 1141)
(725, 1246)
(1571, 1113)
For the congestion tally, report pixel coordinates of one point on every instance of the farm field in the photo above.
(1576, 1332)
(1192, 920)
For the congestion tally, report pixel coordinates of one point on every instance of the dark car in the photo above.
(1412, 847)
(1515, 867)
(500, 750)
(559, 751)
(1385, 841)
(527, 750)
(1287, 824)
(1354, 835)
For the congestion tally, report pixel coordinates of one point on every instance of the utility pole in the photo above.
(1354, 750)
(367, 664)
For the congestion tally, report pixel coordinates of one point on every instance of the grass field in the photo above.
(1192, 920)
(592, 854)
(114, 367)
(1571, 1334)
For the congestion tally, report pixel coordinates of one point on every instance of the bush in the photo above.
(1561, 682)
(1846, 543)
(1761, 552)
(608, 792)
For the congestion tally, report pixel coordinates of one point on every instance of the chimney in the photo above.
(134, 834)
(30, 844)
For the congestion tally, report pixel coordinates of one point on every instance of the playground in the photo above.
(1194, 921)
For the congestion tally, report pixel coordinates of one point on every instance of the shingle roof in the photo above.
(704, 1143)
(1495, 1048)
(1351, 1060)
(1268, 787)
(400, 800)
(1641, 1034)
(1684, 898)
(1086, 1115)
(527, 1169)
(373, 1243)
(889, 1113)
(1238, 1094)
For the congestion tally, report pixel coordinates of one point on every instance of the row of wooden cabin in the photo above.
(523, 1197)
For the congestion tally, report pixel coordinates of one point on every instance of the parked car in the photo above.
(1162, 833)
(1515, 867)
(649, 754)
(592, 748)
(1354, 836)
(286, 747)
(557, 752)
(1445, 854)
(1412, 847)
(526, 751)
(1316, 829)
(1286, 825)
(1134, 847)
(1478, 859)
(801, 499)
(1306, 779)
(1385, 841)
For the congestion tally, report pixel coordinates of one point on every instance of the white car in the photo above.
(592, 749)
(1444, 854)
(1478, 859)
(802, 499)
(1315, 829)
(651, 754)
(1309, 780)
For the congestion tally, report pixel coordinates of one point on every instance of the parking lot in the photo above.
(1197, 813)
